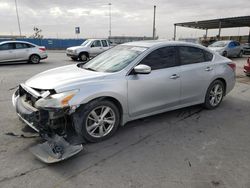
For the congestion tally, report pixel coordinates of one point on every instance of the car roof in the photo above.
(155, 43)
(16, 41)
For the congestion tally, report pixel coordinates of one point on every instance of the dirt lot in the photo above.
(189, 148)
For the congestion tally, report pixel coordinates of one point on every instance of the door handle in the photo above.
(174, 76)
(208, 69)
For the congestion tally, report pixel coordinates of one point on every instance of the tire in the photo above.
(35, 59)
(224, 54)
(240, 54)
(83, 56)
(95, 128)
(213, 98)
(74, 58)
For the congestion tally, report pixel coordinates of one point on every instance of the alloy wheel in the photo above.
(216, 94)
(100, 121)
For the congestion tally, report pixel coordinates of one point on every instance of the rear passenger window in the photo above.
(161, 58)
(191, 55)
(104, 43)
(20, 46)
(208, 56)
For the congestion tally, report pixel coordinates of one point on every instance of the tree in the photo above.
(37, 33)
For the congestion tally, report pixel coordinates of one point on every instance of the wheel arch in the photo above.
(223, 81)
(116, 102)
(83, 52)
(34, 54)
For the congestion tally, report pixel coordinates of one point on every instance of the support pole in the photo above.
(174, 32)
(18, 21)
(206, 33)
(154, 23)
(249, 36)
(110, 20)
(219, 30)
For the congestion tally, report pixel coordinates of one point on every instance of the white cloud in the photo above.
(59, 17)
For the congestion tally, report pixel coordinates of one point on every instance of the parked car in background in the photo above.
(246, 48)
(247, 67)
(127, 82)
(20, 51)
(89, 48)
(227, 48)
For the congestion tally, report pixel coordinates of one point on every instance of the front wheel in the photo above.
(224, 54)
(100, 120)
(83, 57)
(214, 95)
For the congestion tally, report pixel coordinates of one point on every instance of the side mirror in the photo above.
(142, 69)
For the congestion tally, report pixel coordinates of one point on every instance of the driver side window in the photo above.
(96, 43)
(161, 58)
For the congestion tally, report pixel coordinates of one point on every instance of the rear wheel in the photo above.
(35, 59)
(240, 54)
(214, 95)
(100, 120)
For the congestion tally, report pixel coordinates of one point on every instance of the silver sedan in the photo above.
(127, 82)
(21, 51)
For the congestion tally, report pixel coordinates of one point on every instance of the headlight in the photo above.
(74, 51)
(59, 100)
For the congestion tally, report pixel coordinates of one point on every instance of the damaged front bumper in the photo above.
(52, 124)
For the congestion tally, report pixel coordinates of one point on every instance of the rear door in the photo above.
(158, 90)
(105, 45)
(21, 51)
(7, 52)
(197, 70)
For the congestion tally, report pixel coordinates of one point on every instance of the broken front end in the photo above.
(48, 113)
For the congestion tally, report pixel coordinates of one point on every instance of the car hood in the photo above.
(76, 47)
(216, 48)
(62, 77)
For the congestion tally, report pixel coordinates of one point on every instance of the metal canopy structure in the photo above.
(242, 21)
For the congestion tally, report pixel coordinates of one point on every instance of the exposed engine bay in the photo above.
(58, 126)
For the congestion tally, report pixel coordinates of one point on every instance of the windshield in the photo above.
(85, 43)
(114, 59)
(219, 44)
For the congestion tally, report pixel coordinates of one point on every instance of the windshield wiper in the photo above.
(89, 69)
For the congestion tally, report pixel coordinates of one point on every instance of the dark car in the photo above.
(246, 48)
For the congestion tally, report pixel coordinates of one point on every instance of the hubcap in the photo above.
(34, 59)
(215, 95)
(83, 57)
(100, 121)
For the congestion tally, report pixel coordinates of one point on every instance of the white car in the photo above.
(20, 51)
(89, 48)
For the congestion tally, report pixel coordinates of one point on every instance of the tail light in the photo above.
(232, 65)
(42, 49)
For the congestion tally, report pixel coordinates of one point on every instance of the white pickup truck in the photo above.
(89, 48)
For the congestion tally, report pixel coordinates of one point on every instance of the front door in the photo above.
(95, 48)
(7, 52)
(158, 90)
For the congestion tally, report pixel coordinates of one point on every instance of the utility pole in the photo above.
(18, 21)
(110, 20)
(154, 23)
